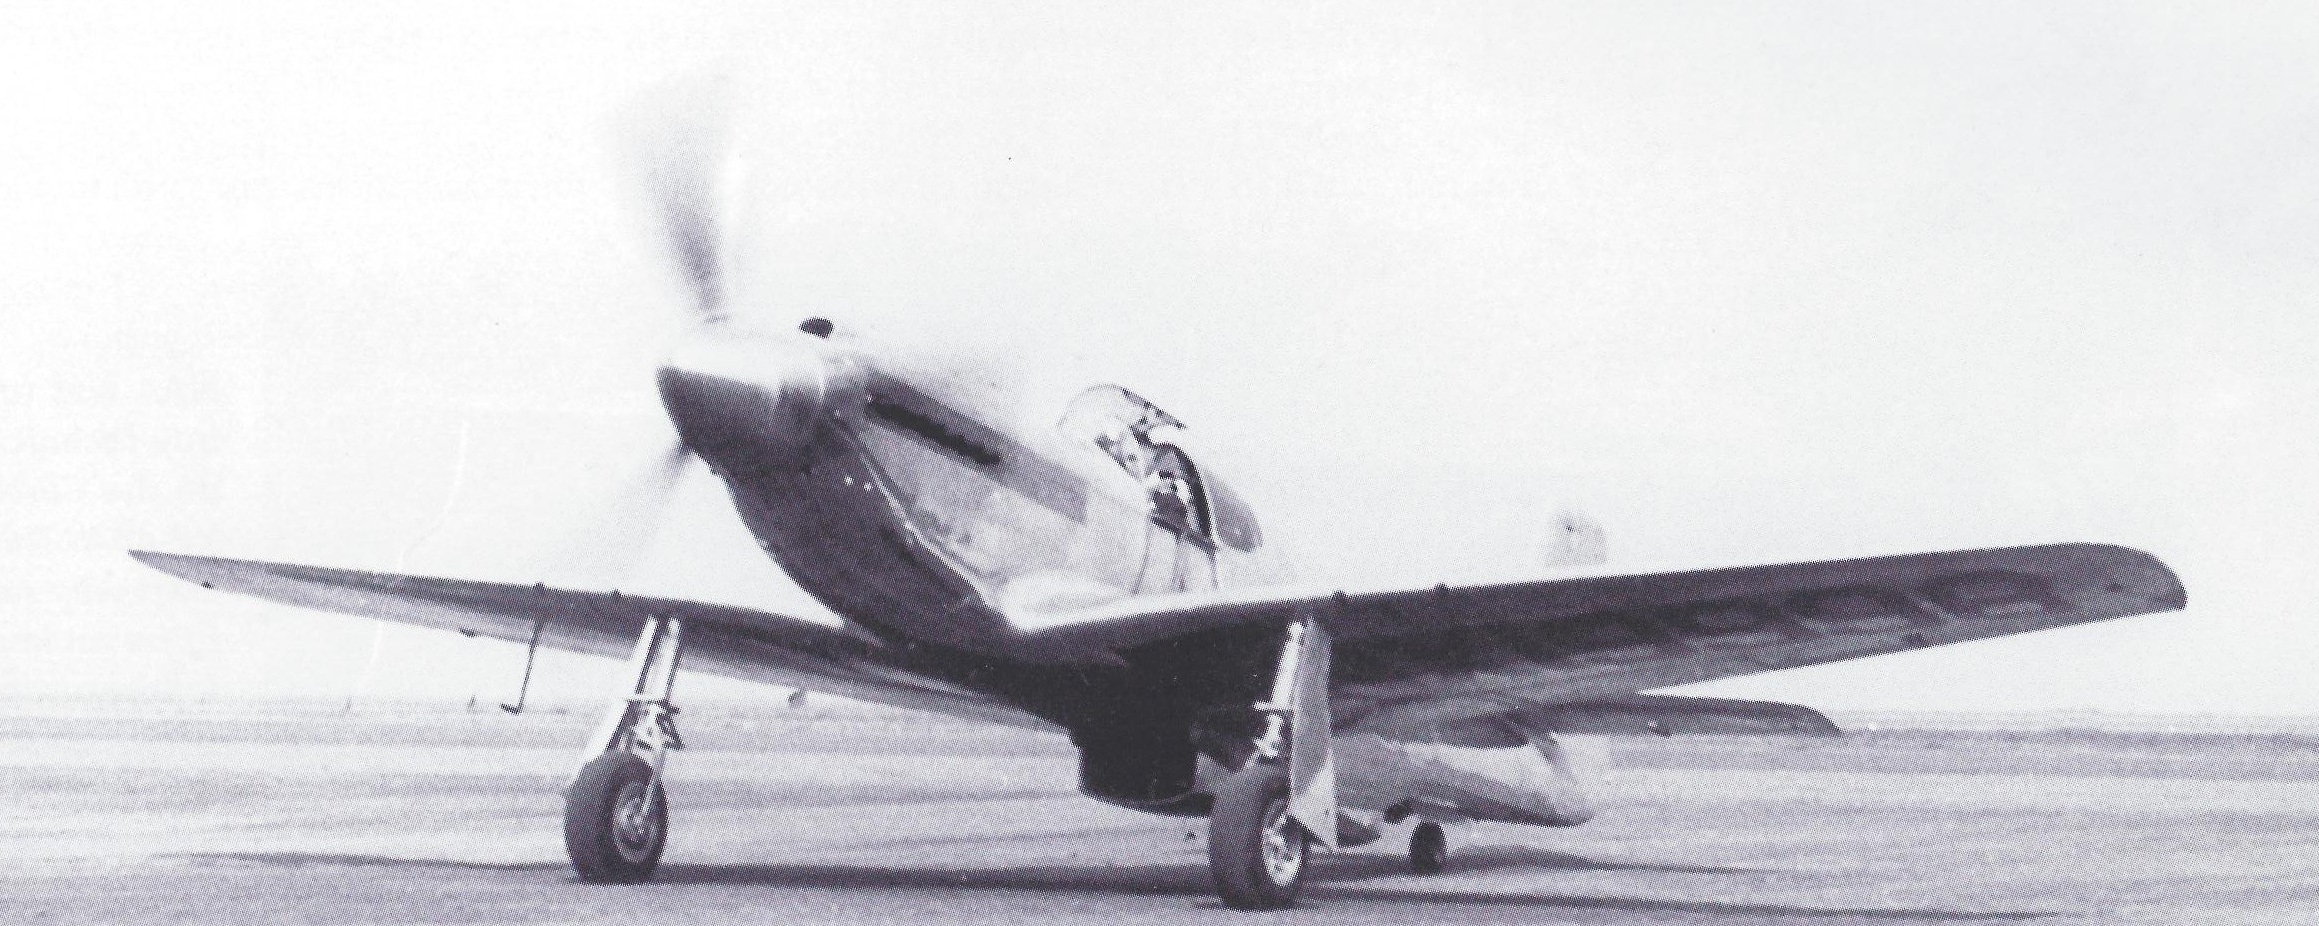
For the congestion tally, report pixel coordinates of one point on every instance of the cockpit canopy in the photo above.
(1110, 417)
(1120, 423)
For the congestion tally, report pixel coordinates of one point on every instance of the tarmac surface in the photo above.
(173, 815)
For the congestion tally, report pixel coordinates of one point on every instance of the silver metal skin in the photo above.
(1538, 779)
(746, 401)
(873, 484)
(910, 505)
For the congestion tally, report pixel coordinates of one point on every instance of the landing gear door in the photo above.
(1312, 762)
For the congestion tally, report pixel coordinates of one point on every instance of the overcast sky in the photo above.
(370, 289)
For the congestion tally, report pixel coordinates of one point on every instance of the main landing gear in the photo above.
(1256, 852)
(616, 812)
(1282, 800)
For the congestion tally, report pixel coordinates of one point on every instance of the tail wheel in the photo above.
(615, 820)
(1428, 849)
(1255, 852)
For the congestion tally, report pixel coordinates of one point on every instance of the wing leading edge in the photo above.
(721, 639)
(1446, 654)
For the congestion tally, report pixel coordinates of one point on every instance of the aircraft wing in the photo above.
(724, 640)
(1445, 654)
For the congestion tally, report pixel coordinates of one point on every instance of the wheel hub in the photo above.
(1283, 845)
(635, 828)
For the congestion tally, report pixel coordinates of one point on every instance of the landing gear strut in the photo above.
(1284, 798)
(616, 812)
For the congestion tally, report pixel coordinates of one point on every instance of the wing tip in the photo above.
(2142, 571)
(204, 571)
(172, 563)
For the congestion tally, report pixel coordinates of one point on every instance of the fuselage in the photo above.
(928, 515)
(913, 506)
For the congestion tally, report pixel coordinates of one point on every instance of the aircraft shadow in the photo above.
(327, 859)
(1326, 884)
(1493, 858)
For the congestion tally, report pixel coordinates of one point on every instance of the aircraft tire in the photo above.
(612, 834)
(1428, 848)
(1255, 852)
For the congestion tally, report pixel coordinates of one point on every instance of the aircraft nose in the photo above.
(745, 402)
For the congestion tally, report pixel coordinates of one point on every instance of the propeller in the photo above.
(676, 139)
(675, 142)
(611, 545)
(613, 542)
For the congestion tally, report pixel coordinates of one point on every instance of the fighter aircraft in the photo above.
(1093, 578)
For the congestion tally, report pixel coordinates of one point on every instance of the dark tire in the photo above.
(1428, 849)
(615, 821)
(1255, 852)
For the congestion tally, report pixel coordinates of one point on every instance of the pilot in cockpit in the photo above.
(1126, 447)
(1171, 501)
